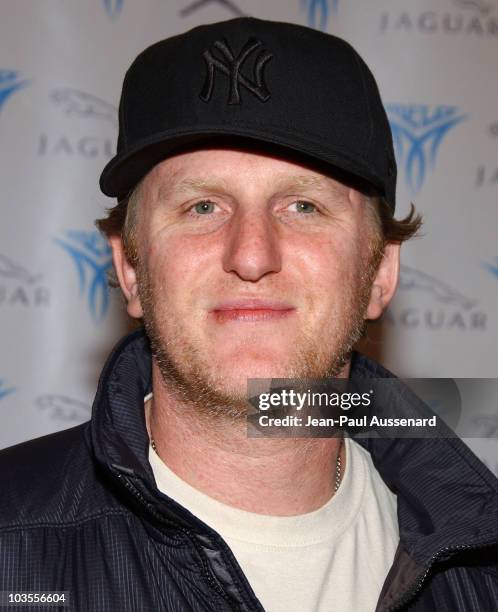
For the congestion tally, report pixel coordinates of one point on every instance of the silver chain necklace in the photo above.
(338, 468)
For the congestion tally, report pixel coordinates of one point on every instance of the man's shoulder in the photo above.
(50, 480)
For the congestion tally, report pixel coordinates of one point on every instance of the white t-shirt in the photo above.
(332, 559)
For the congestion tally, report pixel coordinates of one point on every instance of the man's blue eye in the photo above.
(305, 207)
(204, 208)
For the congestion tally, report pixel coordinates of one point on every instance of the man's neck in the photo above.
(279, 477)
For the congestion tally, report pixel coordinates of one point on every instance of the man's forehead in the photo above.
(221, 169)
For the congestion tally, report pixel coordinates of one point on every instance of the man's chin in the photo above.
(235, 375)
(230, 380)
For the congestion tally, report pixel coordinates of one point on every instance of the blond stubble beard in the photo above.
(190, 380)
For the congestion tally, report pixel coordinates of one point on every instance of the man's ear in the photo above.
(126, 276)
(385, 282)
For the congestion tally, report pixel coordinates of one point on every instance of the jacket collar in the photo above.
(446, 496)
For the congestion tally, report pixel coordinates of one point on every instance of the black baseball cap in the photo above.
(268, 82)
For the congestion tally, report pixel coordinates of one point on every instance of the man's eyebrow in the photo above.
(319, 183)
(189, 185)
(285, 181)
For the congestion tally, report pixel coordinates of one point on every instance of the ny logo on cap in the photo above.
(231, 66)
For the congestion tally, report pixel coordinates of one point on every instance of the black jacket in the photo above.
(80, 512)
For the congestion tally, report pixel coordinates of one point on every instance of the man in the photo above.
(254, 235)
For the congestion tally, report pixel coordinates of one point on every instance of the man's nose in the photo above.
(252, 247)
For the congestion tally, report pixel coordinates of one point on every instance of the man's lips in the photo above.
(251, 310)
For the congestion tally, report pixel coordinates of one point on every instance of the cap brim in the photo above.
(124, 172)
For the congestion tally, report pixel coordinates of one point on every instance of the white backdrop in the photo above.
(61, 68)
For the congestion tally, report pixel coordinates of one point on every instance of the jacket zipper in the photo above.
(412, 592)
(133, 490)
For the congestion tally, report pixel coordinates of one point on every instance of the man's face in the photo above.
(250, 266)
